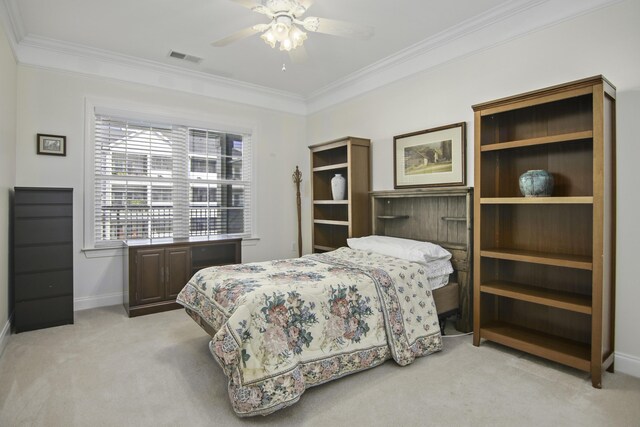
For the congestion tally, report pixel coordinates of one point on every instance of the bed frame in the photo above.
(440, 215)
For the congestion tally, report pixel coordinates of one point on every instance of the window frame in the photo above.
(160, 115)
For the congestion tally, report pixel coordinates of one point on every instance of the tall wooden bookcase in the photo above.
(336, 220)
(544, 278)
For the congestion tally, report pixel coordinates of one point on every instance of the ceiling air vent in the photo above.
(185, 57)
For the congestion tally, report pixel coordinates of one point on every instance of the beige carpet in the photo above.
(109, 370)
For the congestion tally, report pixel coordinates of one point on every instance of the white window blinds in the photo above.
(157, 181)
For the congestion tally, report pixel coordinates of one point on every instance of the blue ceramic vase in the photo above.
(536, 183)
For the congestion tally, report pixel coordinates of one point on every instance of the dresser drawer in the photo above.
(40, 211)
(40, 258)
(43, 197)
(43, 230)
(43, 313)
(43, 285)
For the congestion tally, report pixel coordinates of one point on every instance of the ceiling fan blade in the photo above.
(338, 28)
(249, 4)
(306, 3)
(255, 6)
(239, 35)
(298, 55)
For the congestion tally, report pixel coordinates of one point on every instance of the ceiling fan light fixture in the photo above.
(286, 44)
(281, 26)
(297, 36)
(269, 37)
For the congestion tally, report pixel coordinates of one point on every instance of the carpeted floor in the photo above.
(156, 370)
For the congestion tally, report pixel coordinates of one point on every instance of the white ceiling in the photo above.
(131, 39)
(149, 29)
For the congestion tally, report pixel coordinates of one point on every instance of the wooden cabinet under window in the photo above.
(42, 257)
(336, 220)
(544, 266)
(156, 272)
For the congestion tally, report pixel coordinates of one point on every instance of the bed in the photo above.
(280, 327)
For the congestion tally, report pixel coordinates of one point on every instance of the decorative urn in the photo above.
(536, 183)
(338, 187)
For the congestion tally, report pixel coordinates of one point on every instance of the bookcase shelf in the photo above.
(331, 167)
(583, 200)
(567, 137)
(544, 275)
(561, 350)
(559, 260)
(565, 300)
(330, 202)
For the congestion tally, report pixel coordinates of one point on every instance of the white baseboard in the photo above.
(5, 334)
(84, 303)
(627, 364)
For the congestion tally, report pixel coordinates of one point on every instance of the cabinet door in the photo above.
(150, 270)
(178, 270)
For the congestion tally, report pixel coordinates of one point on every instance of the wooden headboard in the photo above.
(439, 215)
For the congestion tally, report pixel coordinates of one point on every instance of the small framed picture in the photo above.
(53, 145)
(430, 158)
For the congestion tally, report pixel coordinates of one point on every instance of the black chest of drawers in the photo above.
(43, 257)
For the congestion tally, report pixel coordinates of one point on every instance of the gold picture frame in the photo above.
(430, 158)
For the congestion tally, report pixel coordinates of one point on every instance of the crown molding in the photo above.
(11, 22)
(496, 26)
(54, 54)
(17, 24)
(467, 27)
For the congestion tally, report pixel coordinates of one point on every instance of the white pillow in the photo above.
(407, 249)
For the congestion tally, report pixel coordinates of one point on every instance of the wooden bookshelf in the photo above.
(334, 221)
(544, 281)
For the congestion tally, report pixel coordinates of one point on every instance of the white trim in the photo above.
(496, 26)
(13, 23)
(465, 28)
(57, 55)
(85, 303)
(15, 17)
(5, 334)
(627, 364)
(103, 252)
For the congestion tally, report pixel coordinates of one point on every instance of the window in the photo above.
(157, 181)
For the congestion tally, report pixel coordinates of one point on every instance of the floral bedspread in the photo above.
(283, 326)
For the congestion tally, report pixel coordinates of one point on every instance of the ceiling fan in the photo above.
(286, 24)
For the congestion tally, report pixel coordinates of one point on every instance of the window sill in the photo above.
(117, 251)
(106, 252)
(250, 241)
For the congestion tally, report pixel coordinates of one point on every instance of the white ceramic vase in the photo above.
(338, 187)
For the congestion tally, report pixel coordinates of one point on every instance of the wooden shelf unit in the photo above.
(336, 220)
(544, 280)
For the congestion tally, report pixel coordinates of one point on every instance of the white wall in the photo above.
(54, 102)
(602, 42)
(8, 93)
